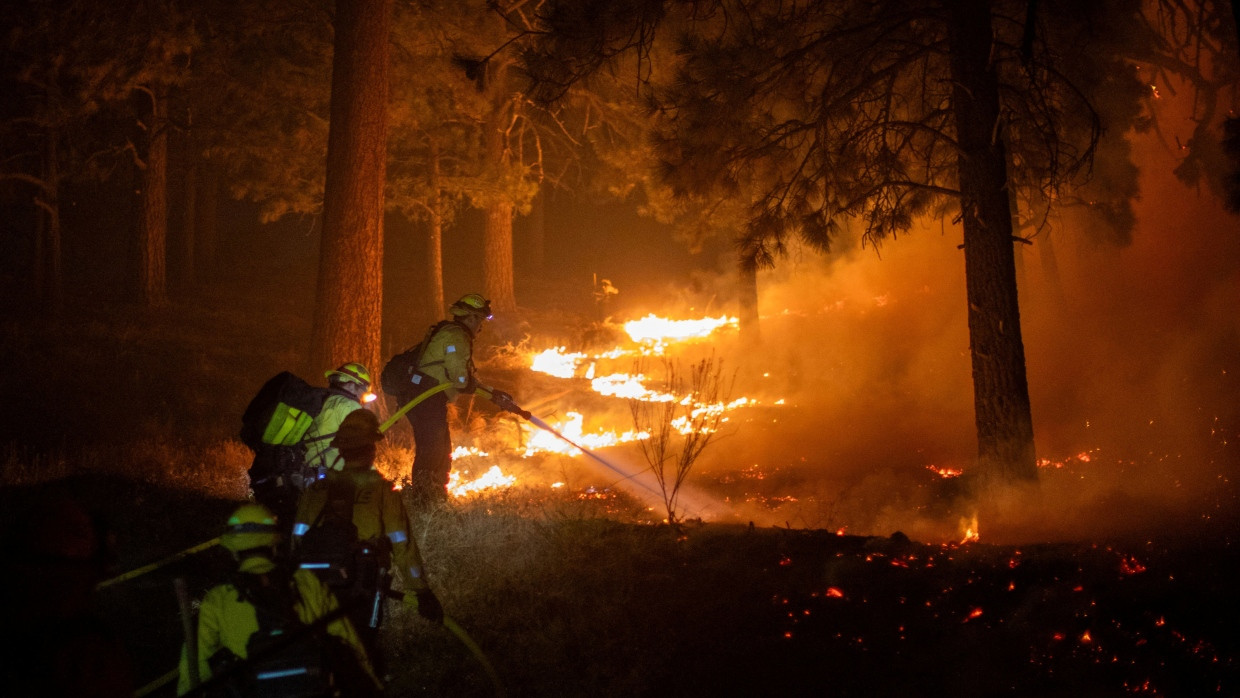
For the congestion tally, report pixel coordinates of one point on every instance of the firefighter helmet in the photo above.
(472, 304)
(250, 526)
(350, 374)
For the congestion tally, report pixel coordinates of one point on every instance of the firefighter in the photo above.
(349, 386)
(445, 356)
(353, 530)
(271, 628)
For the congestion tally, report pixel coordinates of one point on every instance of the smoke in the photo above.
(1132, 352)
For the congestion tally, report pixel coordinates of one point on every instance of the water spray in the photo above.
(614, 468)
(504, 401)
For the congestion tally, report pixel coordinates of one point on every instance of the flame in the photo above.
(655, 330)
(945, 472)
(468, 451)
(556, 362)
(493, 478)
(650, 336)
(971, 532)
(572, 428)
(628, 386)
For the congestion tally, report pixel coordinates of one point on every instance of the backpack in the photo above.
(396, 378)
(328, 547)
(331, 549)
(281, 412)
(287, 659)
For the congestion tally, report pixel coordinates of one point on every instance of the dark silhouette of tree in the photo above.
(1193, 45)
(97, 79)
(140, 55)
(348, 304)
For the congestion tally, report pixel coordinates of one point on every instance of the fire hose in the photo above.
(504, 401)
(455, 628)
(157, 564)
(411, 404)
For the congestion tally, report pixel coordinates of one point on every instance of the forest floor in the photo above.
(565, 598)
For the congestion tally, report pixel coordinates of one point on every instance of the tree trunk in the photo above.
(747, 291)
(189, 217)
(153, 228)
(1000, 388)
(206, 225)
(534, 244)
(348, 314)
(49, 277)
(497, 263)
(435, 306)
(497, 282)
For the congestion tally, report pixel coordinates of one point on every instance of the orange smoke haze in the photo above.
(1133, 356)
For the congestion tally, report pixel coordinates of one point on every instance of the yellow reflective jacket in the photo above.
(227, 622)
(378, 512)
(318, 438)
(448, 358)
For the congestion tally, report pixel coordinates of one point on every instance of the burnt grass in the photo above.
(566, 599)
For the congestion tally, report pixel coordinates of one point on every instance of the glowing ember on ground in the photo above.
(945, 472)
(1082, 457)
(1130, 565)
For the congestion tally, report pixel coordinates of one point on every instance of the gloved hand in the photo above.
(426, 604)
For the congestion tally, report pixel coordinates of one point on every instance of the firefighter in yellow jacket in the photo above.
(266, 632)
(353, 530)
(444, 356)
(349, 387)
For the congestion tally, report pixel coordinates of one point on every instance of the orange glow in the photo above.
(834, 593)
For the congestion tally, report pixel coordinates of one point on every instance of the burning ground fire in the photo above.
(651, 336)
